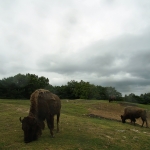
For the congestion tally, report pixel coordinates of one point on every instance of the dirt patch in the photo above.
(98, 116)
(127, 104)
(112, 111)
(107, 110)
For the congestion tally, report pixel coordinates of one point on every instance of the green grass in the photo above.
(77, 131)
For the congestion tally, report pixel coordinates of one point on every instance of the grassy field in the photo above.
(79, 130)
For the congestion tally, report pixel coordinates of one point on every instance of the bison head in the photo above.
(123, 119)
(31, 129)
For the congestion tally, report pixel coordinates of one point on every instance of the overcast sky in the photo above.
(104, 42)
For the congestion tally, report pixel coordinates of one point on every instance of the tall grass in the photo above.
(77, 130)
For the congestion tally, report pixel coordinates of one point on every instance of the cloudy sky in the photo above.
(104, 42)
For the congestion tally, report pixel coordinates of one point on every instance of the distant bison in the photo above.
(131, 113)
(44, 105)
(112, 98)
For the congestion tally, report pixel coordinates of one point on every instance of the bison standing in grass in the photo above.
(131, 113)
(44, 105)
(112, 98)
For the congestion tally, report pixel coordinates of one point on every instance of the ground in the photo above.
(112, 111)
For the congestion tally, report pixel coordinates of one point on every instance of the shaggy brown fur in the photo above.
(131, 112)
(44, 105)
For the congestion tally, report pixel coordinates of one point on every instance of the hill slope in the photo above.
(78, 131)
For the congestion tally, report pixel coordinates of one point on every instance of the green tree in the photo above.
(111, 91)
(21, 86)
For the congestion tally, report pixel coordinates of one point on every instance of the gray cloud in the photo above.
(103, 42)
(122, 63)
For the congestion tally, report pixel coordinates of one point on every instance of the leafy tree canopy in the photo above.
(21, 86)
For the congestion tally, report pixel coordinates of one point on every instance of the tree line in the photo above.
(142, 99)
(21, 86)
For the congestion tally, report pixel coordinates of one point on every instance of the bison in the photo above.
(131, 113)
(44, 105)
(111, 98)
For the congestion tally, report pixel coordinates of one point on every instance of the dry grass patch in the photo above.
(113, 111)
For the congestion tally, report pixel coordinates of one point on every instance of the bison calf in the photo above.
(131, 113)
(44, 105)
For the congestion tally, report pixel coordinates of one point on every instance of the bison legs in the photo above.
(50, 124)
(58, 115)
(146, 124)
(133, 120)
(144, 120)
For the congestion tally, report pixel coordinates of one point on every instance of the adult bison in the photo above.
(131, 113)
(44, 105)
(112, 98)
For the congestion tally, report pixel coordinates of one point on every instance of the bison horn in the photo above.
(20, 119)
